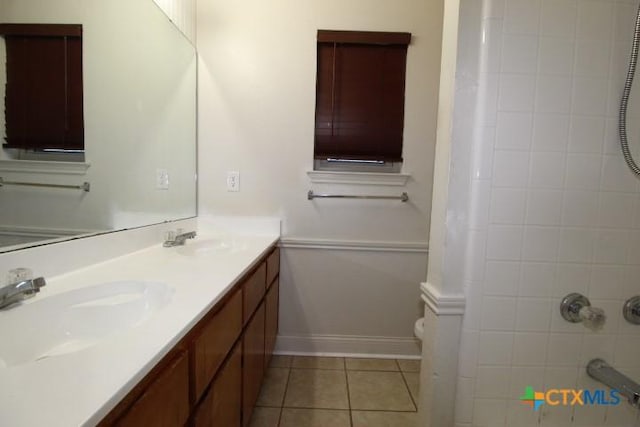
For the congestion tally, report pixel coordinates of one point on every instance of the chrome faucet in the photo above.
(600, 370)
(16, 292)
(178, 239)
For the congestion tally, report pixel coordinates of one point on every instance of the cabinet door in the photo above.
(273, 266)
(271, 320)
(214, 342)
(254, 288)
(165, 403)
(222, 406)
(253, 367)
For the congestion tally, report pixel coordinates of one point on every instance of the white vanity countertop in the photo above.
(81, 388)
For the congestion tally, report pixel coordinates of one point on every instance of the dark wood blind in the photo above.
(44, 92)
(360, 95)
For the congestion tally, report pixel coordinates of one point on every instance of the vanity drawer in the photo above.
(165, 402)
(214, 342)
(222, 406)
(254, 288)
(273, 266)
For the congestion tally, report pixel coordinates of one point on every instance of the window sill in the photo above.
(44, 167)
(359, 178)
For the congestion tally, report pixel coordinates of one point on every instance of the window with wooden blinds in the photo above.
(43, 93)
(360, 93)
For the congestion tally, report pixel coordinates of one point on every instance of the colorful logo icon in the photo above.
(532, 398)
(569, 397)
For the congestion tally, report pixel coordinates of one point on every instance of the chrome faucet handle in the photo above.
(18, 275)
(576, 308)
(631, 310)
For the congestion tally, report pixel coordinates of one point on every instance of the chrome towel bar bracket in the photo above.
(404, 197)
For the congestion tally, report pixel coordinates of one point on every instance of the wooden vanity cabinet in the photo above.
(222, 405)
(273, 266)
(212, 377)
(165, 402)
(253, 289)
(253, 363)
(213, 342)
(271, 304)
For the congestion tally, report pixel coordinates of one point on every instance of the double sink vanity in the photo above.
(162, 336)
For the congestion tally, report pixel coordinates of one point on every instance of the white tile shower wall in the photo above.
(550, 193)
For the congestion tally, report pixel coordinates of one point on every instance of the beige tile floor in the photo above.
(338, 392)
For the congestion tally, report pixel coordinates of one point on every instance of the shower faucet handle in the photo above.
(576, 308)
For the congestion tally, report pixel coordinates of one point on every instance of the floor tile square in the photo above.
(307, 362)
(273, 387)
(413, 382)
(278, 361)
(372, 365)
(265, 417)
(382, 391)
(409, 365)
(384, 419)
(314, 388)
(314, 418)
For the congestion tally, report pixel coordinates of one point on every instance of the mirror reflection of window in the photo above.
(43, 89)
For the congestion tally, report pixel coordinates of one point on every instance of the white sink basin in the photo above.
(207, 246)
(77, 319)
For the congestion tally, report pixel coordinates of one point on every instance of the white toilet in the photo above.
(418, 328)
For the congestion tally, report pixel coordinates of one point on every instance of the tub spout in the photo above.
(601, 371)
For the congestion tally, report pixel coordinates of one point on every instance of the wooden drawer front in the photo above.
(215, 341)
(165, 403)
(271, 321)
(273, 266)
(222, 406)
(253, 366)
(254, 288)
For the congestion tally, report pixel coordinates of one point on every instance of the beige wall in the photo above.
(183, 14)
(257, 100)
(256, 115)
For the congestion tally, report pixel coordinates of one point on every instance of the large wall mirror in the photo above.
(139, 101)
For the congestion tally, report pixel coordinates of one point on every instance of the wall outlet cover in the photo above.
(162, 179)
(233, 181)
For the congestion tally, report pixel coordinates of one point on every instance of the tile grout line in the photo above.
(309, 408)
(320, 408)
(349, 409)
(284, 395)
(406, 384)
(346, 381)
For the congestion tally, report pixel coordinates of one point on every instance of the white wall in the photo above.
(183, 14)
(551, 206)
(139, 115)
(256, 115)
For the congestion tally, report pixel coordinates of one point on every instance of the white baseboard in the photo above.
(349, 346)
